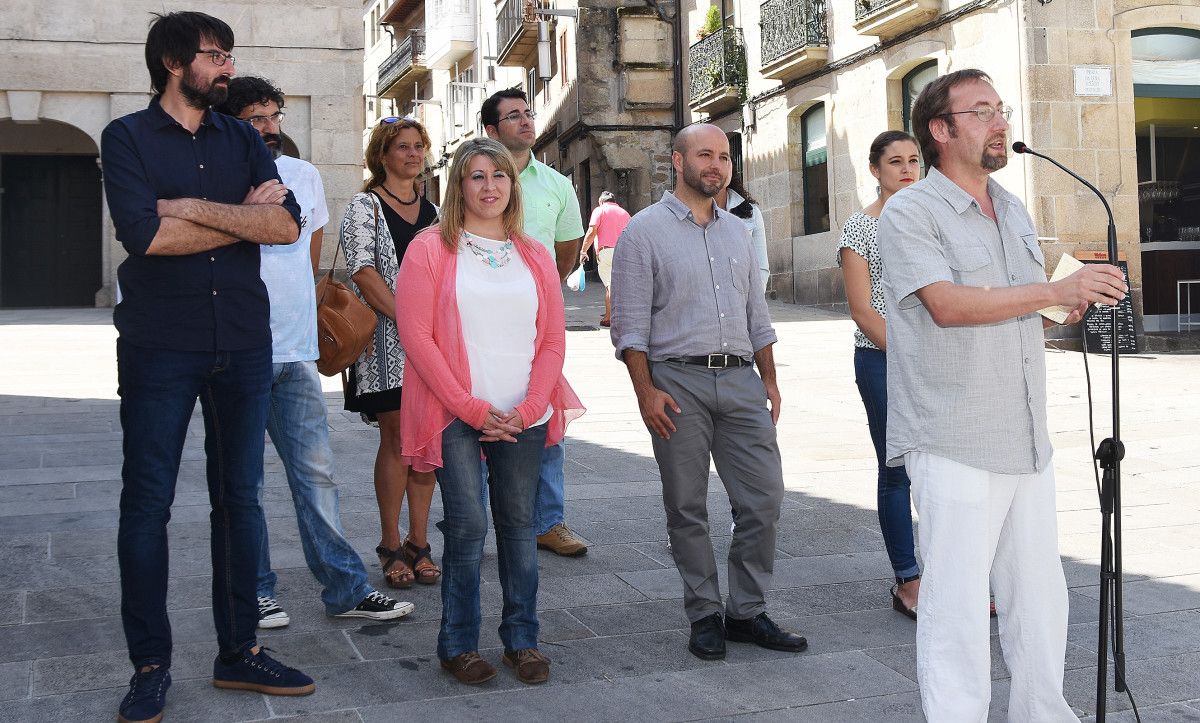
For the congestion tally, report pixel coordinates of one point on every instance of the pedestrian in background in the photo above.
(604, 228)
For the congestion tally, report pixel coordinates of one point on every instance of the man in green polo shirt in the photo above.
(552, 217)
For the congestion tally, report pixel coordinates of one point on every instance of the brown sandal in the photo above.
(400, 579)
(427, 573)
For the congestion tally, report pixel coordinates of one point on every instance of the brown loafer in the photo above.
(469, 668)
(529, 664)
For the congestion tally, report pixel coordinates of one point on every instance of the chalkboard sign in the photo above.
(1097, 324)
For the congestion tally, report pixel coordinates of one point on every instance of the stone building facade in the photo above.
(803, 86)
(68, 67)
(607, 104)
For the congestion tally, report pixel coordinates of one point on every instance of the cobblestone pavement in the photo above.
(612, 621)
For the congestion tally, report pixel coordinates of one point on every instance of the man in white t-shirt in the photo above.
(297, 422)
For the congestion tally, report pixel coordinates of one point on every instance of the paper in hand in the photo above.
(1067, 265)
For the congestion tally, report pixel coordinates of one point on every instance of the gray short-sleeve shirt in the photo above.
(973, 394)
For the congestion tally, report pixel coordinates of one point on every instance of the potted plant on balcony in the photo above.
(712, 23)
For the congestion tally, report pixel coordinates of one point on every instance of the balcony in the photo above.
(516, 31)
(889, 18)
(407, 62)
(717, 71)
(794, 38)
(450, 32)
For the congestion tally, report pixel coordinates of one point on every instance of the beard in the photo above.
(203, 98)
(274, 144)
(697, 183)
(991, 162)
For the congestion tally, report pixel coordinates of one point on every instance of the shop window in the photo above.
(816, 170)
(1166, 82)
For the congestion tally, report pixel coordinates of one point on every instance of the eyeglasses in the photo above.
(985, 113)
(516, 116)
(259, 121)
(218, 56)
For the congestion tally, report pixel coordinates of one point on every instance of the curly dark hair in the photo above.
(247, 90)
(175, 38)
(934, 101)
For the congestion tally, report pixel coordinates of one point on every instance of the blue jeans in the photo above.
(548, 509)
(158, 390)
(895, 511)
(299, 428)
(513, 469)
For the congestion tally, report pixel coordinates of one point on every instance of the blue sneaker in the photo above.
(146, 697)
(262, 673)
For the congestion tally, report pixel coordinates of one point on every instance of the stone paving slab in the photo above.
(612, 621)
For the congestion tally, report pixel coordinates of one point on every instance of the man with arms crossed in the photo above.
(552, 218)
(687, 319)
(297, 422)
(193, 322)
(963, 279)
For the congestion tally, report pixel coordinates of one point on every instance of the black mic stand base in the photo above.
(1109, 454)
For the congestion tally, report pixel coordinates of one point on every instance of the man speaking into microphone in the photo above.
(963, 278)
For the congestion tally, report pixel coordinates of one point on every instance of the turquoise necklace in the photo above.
(496, 259)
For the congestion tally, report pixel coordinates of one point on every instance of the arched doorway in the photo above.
(50, 215)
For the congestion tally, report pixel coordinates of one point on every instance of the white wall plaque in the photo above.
(1093, 80)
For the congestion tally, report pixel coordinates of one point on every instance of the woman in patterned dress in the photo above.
(895, 161)
(378, 226)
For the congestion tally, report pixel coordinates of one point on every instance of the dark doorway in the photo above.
(50, 240)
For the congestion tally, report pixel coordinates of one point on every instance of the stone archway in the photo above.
(51, 234)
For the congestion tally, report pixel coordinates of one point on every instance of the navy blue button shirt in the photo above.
(210, 301)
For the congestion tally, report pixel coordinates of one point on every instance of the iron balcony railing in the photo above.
(717, 61)
(408, 53)
(789, 25)
(512, 17)
(863, 8)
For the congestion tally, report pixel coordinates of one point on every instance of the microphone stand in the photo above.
(1109, 454)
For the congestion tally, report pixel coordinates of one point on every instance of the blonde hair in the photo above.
(453, 214)
(377, 148)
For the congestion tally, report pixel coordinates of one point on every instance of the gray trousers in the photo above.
(725, 416)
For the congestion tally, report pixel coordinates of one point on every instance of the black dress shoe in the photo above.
(763, 632)
(708, 638)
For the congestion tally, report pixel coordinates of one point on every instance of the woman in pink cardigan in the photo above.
(480, 314)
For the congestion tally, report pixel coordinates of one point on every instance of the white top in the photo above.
(287, 270)
(497, 308)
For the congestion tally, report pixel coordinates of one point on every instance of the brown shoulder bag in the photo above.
(344, 323)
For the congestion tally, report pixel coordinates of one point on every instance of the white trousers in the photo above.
(973, 522)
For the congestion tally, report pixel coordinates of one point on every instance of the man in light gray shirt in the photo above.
(963, 278)
(687, 320)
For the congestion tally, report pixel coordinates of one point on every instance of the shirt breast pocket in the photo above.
(967, 257)
(737, 272)
(1030, 242)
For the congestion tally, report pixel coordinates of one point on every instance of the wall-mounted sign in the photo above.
(1093, 80)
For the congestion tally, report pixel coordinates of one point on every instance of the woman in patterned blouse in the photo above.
(379, 224)
(895, 161)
